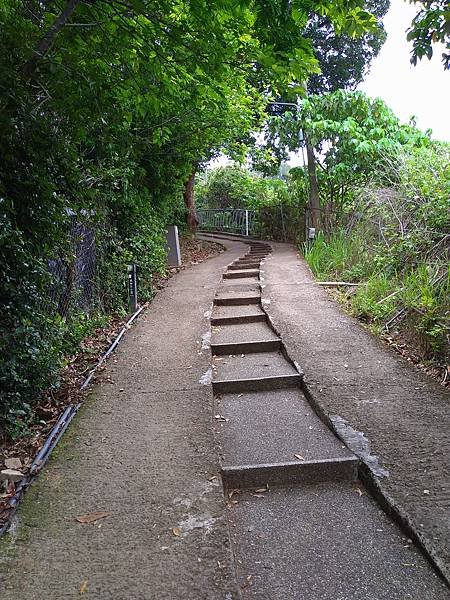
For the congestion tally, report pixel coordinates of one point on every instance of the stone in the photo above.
(11, 475)
(13, 463)
(173, 247)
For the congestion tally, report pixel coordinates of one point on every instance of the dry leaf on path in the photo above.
(299, 457)
(176, 531)
(358, 490)
(92, 517)
(83, 587)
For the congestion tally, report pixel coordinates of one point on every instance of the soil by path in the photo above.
(366, 390)
(141, 450)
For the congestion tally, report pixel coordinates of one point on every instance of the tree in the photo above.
(353, 136)
(105, 108)
(343, 61)
(431, 25)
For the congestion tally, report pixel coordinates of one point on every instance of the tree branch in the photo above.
(46, 42)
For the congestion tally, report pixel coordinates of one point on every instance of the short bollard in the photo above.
(132, 288)
(173, 247)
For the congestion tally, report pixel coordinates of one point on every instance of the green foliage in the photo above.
(103, 116)
(395, 240)
(395, 243)
(430, 25)
(335, 258)
(233, 186)
(343, 59)
(356, 140)
(278, 204)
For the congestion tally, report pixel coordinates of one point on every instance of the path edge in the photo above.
(370, 480)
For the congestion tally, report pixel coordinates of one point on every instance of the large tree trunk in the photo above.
(189, 201)
(314, 198)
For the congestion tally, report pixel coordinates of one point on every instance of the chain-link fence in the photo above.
(75, 280)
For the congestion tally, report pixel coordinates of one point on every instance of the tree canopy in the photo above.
(431, 25)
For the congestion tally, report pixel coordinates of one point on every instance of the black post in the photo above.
(132, 288)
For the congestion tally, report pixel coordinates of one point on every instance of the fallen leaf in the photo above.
(176, 531)
(358, 489)
(260, 490)
(83, 587)
(221, 418)
(92, 517)
(299, 457)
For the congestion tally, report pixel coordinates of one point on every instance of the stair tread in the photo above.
(272, 427)
(253, 366)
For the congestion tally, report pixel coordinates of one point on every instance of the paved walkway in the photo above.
(299, 523)
(362, 386)
(143, 450)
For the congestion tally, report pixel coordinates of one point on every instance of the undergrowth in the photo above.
(421, 289)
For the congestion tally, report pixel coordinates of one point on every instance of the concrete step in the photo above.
(254, 372)
(233, 311)
(244, 338)
(240, 274)
(227, 315)
(237, 299)
(326, 541)
(245, 347)
(248, 332)
(243, 265)
(289, 473)
(240, 283)
(238, 319)
(247, 259)
(273, 427)
(250, 384)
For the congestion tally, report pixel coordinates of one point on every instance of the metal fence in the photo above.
(75, 281)
(228, 220)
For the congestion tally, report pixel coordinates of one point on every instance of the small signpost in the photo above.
(173, 247)
(132, 288)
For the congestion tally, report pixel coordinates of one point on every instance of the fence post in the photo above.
(132, 288)
(246, 223)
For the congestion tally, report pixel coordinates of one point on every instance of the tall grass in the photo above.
(338, 257)
(420, 289)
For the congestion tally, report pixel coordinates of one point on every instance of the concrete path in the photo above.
(396, 419)
(297, 523)
(142, 449)
(302, 525)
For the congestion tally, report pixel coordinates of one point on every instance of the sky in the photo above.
(423, 90)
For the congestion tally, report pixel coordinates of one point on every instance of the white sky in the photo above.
(423, 90)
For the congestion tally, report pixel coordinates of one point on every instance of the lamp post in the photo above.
(309, 231)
